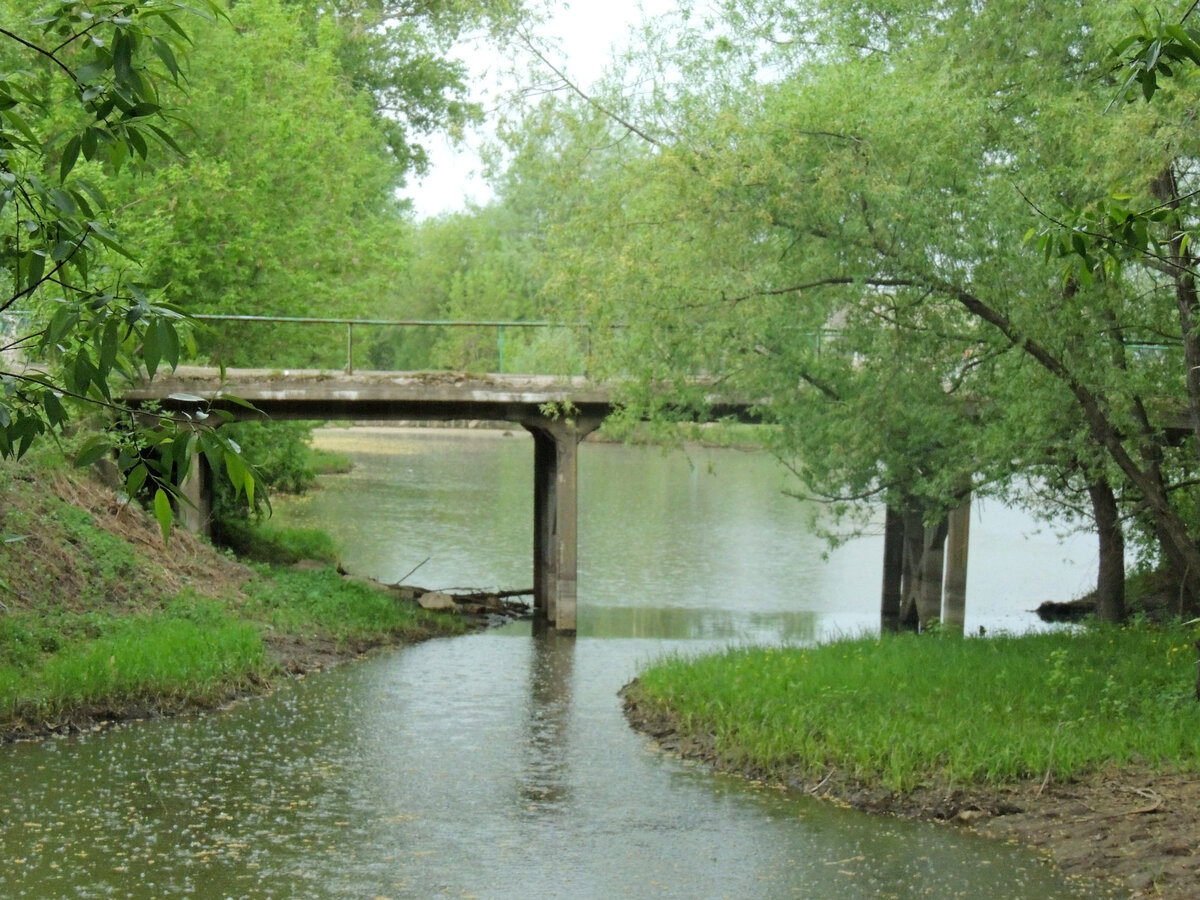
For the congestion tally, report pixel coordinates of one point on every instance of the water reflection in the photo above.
(544, 783)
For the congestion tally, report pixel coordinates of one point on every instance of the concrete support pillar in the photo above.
(954, 600)
(545, 561)
(556, 518)
(195, 514)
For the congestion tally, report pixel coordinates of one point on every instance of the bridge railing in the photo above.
(581, 330)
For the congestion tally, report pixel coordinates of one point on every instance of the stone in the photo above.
(437, 601)
(971, 816)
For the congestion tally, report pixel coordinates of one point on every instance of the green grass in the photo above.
(328, 462)
(907, 711)
(321, 600)
(190, 653)
(279, 545)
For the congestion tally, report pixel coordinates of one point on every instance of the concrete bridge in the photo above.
(558, 411)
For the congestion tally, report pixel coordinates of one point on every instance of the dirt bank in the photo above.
(1134, 832)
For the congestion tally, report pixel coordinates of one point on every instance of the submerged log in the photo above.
(1070, 611)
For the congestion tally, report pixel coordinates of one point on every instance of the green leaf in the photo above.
(135, 478)
(164, 514)
(69, 157)
(94, 448)
(90, 142)
(35, 269)
(136, 141)
(63, 201)
(152, 351)
(167, 55)
(56, 415)
(238, 475)
(168, 341)
(110, 344)
(123, 57)
(166, 138)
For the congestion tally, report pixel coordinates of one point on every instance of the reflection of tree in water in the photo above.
(543, 782)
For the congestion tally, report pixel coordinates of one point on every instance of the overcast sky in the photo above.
(588, 31)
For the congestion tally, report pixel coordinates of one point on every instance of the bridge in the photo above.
(558, 411)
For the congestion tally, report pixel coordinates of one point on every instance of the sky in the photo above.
(587, 30)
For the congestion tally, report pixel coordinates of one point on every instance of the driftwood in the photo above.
(478, 595)
(469, 601)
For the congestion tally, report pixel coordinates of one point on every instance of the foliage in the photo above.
(82, 98)
(878, 711)
(285, 203)
(772, 198)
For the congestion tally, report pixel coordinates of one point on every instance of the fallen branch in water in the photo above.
(486, 595)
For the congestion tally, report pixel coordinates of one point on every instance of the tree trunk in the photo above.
(1178, 545)
(892, 594)
(933, 563)
(914, 547)
(1110, 579)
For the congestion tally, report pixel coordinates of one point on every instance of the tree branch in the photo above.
(587, 98)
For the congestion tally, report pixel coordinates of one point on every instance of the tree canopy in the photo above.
(932, 236)
(159, 159)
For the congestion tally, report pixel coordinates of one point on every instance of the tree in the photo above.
(82, 94)
(820, 186)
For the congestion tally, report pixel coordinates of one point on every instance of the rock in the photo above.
(971, 816)
(437, 601)
(1140, 881)
(408, 591)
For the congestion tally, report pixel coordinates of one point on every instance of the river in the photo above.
(498, 765)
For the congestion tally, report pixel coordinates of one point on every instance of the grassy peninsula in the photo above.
(907, 711)
(1085, 744)
(100, 620)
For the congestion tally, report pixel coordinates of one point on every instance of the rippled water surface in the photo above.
(499, 764)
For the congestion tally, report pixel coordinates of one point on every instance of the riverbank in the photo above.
(100, 621)
(1084, 746)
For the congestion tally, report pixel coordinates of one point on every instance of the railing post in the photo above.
(500, 348)
(349, 348)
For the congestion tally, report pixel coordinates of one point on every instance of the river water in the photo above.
(498, 765)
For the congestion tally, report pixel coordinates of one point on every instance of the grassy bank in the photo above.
(98, 619)
(908, 712)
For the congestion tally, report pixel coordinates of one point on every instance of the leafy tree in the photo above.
(82, 96)
(868, 173)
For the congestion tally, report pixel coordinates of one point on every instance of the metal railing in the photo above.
(350, 324)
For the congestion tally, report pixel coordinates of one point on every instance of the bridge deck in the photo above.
(322, 395)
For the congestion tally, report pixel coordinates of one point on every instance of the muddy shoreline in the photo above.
(1132, 832)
